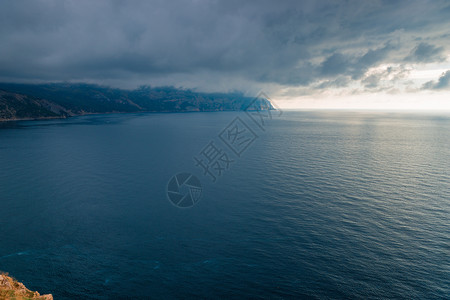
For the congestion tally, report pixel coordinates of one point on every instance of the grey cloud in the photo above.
(353, 65)
(424, 53)
(335, 64)
(372, 81)
(370, 58)
(442, 83)
(385, 78)
(205, 43)
(340, 82)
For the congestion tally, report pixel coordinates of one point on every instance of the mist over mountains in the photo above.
(61, 100)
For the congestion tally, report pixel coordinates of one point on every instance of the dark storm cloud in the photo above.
(225, 44)
(354, 65)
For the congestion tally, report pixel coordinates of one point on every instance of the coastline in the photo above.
(10, 288)
(33, 119)
(116, 112)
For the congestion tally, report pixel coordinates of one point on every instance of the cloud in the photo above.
(335, 64)
(340, 82)
(372, 81)
(425, 53)
(441, 84)
(353, 65)
(385, 77)
(217, 45)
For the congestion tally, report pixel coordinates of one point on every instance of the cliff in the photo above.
(11, 289)
(41, 101)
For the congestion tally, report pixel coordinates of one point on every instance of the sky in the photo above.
(303, 54)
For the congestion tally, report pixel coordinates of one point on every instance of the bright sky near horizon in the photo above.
(407, 93)
(375, 54)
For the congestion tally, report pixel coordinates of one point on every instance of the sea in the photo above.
(228, 205)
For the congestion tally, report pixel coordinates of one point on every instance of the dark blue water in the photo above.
(322, 205)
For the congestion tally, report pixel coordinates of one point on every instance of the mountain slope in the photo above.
(28, 101)
(18, 106)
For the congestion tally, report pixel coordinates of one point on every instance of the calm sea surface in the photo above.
(321, 205)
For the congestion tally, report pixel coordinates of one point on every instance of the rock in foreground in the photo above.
(11, 289)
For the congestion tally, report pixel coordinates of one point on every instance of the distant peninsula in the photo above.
(63, 100)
